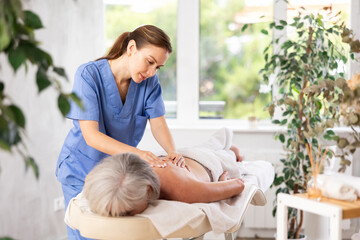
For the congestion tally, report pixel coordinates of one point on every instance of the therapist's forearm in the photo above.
(162, 134)
(106, 144)
(101, 142)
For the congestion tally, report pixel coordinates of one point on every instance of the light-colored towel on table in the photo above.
(339, 186)
(215, 154)
(170, 216)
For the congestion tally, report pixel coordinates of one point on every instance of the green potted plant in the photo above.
(312, 87)
(19, 45)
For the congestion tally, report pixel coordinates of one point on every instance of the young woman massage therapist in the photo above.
(120, 92)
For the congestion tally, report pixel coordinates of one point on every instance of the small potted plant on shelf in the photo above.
(313, 97)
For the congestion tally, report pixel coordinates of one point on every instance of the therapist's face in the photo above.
(144, 62)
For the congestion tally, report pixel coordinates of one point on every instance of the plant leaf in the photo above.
(61, 71)
(283, 22)
(282, 138)
(30, 162)
(3, 124)
(244, 27)
(77, 100)
(2, 87)
(5, 146)
(16, 58)
(35, 54)
(18, 115)
(264, 31)
(32, 20)
(330, 132)
(278, 180)
(42, 80)
(63, 104)
(4, 34)
(6, 238)
(276, 121)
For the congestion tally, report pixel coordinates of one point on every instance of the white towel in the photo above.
(260, 172)
(348, 179)
(83, 204)
(170, 216)
(215, 154)
(222, 215)
(338, 186)
(356, 236)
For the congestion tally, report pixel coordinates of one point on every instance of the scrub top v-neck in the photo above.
(95, 85)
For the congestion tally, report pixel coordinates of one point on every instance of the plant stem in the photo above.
(301, 115)
(300, 224)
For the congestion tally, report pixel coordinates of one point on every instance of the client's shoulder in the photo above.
(172, 174)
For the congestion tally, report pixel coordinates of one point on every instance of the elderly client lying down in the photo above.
(123, 185)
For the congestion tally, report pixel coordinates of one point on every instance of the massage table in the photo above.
(95, 226)
(172, 219)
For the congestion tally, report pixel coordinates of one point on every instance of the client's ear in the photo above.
(149, 191)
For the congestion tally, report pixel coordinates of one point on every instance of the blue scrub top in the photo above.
(95, 85)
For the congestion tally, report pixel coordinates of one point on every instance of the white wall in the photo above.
(73, 34)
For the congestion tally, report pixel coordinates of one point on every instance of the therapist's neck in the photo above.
(119, 68)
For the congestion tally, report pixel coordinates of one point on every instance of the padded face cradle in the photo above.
(121, 228)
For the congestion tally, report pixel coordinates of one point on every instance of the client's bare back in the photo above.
(192, 184)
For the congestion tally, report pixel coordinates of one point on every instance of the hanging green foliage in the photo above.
(18, 43)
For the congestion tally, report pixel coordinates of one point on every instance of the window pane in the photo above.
(231, 59)
(126, 15)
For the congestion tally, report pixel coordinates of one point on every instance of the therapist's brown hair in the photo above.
(144, 35)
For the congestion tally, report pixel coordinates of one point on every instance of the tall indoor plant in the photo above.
(19, 45)
(312, 87)
(21, 48)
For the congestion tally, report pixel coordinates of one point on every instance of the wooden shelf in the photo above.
(335, 210)
(349, 209)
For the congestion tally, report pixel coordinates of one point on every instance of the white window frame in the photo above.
(188, 40)
(187, 61)
(187, 82)
(355, 26)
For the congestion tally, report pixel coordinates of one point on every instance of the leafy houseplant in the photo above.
(311, 83)
(18, 43)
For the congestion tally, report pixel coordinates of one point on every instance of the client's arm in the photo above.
(180, 185)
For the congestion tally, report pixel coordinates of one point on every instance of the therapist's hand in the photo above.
(151, 158)
(177, 159)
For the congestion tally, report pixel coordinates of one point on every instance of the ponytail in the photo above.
(118, 48)
(143, 35)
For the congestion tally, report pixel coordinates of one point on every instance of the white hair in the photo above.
(119, 183)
